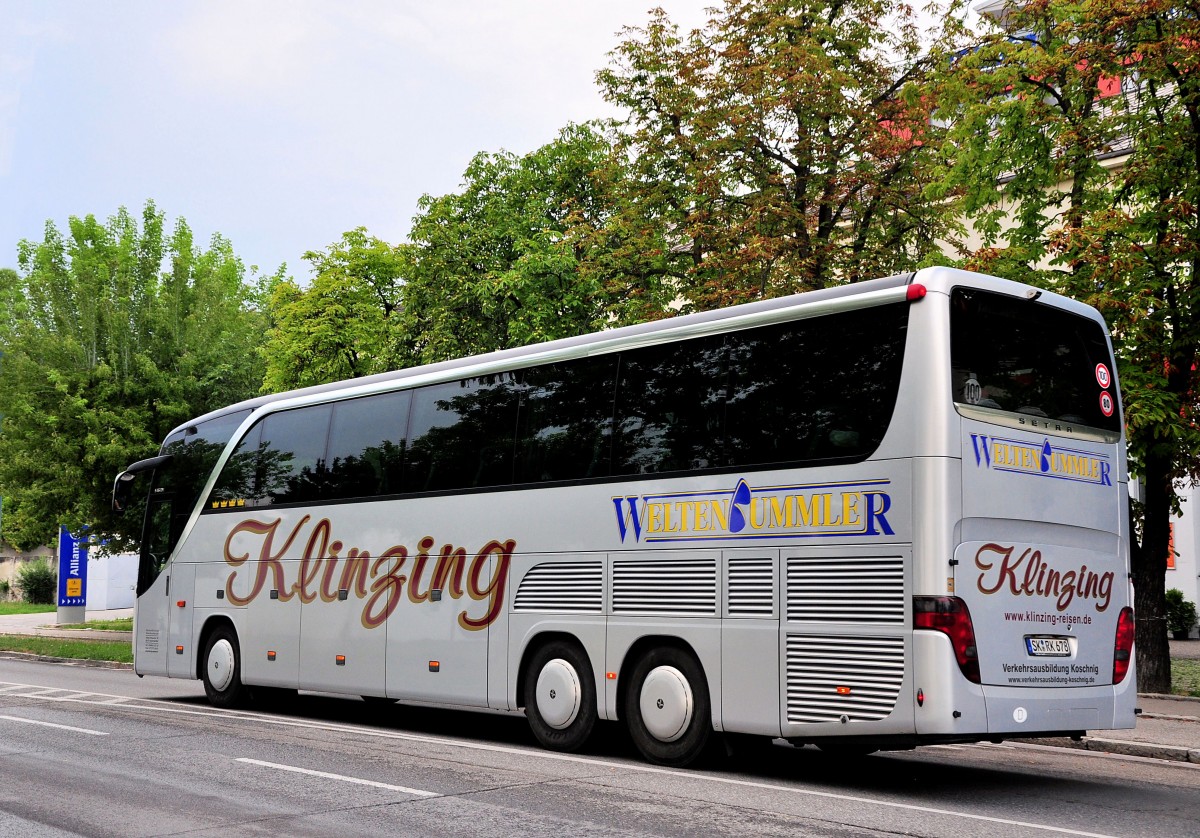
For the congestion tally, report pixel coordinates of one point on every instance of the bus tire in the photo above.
(223, 669)
(560, 696)
(667, 708)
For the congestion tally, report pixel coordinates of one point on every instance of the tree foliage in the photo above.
(527, 250)
(345, 324)
(1041, 108)
(111, 335)
(785, 146)
(524, 252)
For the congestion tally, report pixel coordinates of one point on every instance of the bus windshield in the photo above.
(176, 487)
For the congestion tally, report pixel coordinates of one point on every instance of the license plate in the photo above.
(1049, 647)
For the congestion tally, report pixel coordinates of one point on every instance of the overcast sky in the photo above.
(280, 123)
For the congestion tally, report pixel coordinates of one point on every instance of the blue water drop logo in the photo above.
(1046, 452)
(741, 499)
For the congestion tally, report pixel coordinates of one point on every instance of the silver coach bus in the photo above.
(874, 516)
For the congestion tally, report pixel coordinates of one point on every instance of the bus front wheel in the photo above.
(223, 669)
(667, 707)
(560, 696)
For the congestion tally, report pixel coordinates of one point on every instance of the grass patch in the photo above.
(7, 608)
(99, 650)
(120, 624)
(1185, 677)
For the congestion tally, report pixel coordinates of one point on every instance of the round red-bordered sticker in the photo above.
(1106, 404)
(1103, 376)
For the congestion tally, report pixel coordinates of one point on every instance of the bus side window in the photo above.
(461, 434)
(565, 420)
(670, 408)
(793, 399)
(366, 446)
(238, 481)
(292, 460)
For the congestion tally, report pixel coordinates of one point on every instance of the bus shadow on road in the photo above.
(922, 772)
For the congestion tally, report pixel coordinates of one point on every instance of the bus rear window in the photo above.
(1024, 357)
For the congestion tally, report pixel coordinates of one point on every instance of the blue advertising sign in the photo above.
(72, 568)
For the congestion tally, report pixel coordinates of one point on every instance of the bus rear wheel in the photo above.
(667, 708)
(222, 673)
(560, 696)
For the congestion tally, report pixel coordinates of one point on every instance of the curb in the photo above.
(1146, 750)
(1169, 697)
(88, 662)
(79, 634)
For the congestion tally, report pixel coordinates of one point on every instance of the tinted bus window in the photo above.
(1021, 356)
(280, 460)
(195, 451)
(366, 446)
(461, 434)
(670, 408)
(565, 430)
(177, 487)
(815, 390)
(292, 460)
(238, 483)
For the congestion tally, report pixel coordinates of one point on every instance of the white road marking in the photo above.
(327, 776)
(51, 724)
(241, 715)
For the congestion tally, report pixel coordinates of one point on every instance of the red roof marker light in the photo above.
(915, 292)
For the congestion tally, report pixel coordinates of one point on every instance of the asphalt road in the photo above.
(100, 752)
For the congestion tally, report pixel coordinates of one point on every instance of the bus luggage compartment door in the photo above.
(846, 640)
(437, 641)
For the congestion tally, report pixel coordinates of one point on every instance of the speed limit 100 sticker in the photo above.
(1103, 376)
(1106, 404)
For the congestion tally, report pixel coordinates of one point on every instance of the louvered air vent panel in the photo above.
(847, 589)
(665, 587)
(751, 588)
(869, 671)
(575, 587)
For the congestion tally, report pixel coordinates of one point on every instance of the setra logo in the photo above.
(802, 510)
(1048, 460)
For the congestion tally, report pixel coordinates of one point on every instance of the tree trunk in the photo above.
(1149, 581)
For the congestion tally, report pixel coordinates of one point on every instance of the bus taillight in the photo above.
(950, 616)
(1123, 648)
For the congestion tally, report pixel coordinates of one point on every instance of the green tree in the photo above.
(345, 324)
(528, 251)
(111, 335)
(784, 146)
(1040, 107)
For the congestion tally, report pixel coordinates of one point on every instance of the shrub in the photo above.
(5, 589)
(1181, 614)
(38, 583)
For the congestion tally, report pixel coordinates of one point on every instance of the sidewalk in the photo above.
(43, 625)
(1168, 727)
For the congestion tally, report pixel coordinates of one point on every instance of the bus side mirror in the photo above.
(122, 489)
(123, 485)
